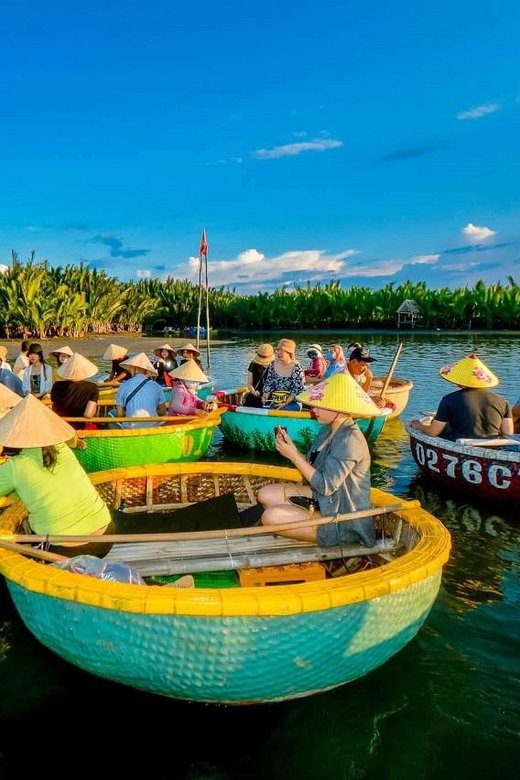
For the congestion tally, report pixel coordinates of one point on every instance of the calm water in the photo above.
(447, 706)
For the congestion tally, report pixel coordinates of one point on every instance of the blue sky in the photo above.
(362, 141)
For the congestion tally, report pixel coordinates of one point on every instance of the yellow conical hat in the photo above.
(32, 424)
(469, 372)
(76, 368)
(8, 398)
(190, 372)
(141, 360)
(340, 393)
(113, 352)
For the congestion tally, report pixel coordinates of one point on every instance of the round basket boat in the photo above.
(397, 392)
(233, 645)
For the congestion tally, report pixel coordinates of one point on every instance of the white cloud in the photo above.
(476, 113)
(424, 259)
(143, 273)
(255, 269)
(290, 150)
(3, 268)
(477, 232)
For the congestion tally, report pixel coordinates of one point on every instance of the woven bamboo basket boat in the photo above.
(253, 429)
(397, 392)
(178, 439)
(236, 645)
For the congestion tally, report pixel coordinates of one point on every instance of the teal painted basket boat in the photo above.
(232, 645)
(180, 439)
(253, 429)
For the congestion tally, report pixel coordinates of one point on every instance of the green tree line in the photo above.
(40, 301)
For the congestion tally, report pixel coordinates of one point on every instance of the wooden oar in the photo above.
(215, 534)
(391, 369)
(33, 552)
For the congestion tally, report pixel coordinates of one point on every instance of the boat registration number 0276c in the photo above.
(472, 470)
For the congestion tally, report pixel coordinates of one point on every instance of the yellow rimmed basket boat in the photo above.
(242, 644)
(176, 439)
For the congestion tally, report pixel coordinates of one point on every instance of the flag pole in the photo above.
(208, 351)
(202, 251)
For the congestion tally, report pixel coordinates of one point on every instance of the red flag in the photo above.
(203, 244)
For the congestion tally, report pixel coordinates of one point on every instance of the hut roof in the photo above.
(409, 306)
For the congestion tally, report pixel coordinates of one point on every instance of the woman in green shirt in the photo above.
(49, 480)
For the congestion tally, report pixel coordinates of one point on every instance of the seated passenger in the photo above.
(284, 378)
(472, 411)
(358, 367)
(336, 470)
(56, 491)
(336, 361)
(62, 355)
(318, 364)
(190, 352)
(256, 372)
(186, 381)
(117, 355)
(166, 363)
(37, 377)
(73, 395)
(140, 396)
(22, 361)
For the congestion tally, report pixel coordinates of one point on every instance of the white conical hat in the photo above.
(141, 360)
(158, 350)
(114, 352)
(189, 347)
(190, 372)
(62, 351)
(341, 393)
(76, 368)
(32, 424)
(8, 398)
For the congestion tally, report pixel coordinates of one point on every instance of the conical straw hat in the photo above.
(469, 372)
(340, 393)
(62, 351)
(113, 352)
(190, 372)
(158, 350)
(32, 424)
(141, 360)
(189, 347)
(8, 397)
(3, 353)
(76, 368)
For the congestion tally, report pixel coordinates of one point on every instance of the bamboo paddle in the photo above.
(391, 369)
(33, 552)
(228, 533)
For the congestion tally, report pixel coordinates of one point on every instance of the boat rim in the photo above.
(492, 453)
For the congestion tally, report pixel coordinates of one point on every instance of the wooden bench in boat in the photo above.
(241, 552)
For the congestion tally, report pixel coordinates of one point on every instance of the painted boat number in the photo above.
(499, 476)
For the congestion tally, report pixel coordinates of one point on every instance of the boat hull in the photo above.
(185, 441)
(397, 392)
(228, 645)
(483, 472)
(254, 428)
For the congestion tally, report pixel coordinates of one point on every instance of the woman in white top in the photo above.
(37, 377)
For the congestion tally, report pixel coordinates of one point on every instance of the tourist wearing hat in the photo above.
(256, 372)
(473, 410)
(73, 395)
(8, 399)
(190, 352)
(358, 362)
(336, 362)
(37, 377)
(62, 355)
(117, 355)
(140, 396)
(165, 364)
(284, 378)
(187, 379)
(48, 478)
(318, 364)
(336, 470)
